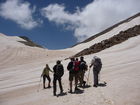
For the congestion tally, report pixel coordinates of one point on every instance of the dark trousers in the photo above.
(55, 86)
(95, 74)
(44, 79)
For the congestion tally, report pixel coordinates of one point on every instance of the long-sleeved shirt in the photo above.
(96, 63)
(46, 71)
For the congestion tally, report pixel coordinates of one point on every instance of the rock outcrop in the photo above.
(116, 39)
(28, 42)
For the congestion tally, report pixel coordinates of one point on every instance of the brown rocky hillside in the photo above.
(116, 39)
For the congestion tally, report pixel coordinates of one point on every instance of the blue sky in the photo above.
(58, 24)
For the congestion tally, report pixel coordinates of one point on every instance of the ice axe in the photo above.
(39, 85)
(88, 76)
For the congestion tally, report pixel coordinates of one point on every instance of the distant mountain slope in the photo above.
(116, 39)
(17, 51)
(109, 29)
(17, 41)
(28, 42)
(10, 41)
(109, 37)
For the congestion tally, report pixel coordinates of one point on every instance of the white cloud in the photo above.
(56, 13)
(95, 17)
(19, 12)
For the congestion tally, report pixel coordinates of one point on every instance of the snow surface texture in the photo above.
(21, 67)
(115, 31)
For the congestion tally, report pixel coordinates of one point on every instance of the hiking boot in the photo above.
(76, 88)
(94, 85)
(70, 91)
(49, 87)
(61, 91)
(44, 86)
(80, 86)
(84, 83)
(54, 94)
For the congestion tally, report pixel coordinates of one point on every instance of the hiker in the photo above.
(58, 73)
(45, 74)
(76, 70)
(97, 65)
(73, 68)
(83, 68)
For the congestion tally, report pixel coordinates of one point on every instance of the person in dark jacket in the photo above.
(83, 68)
(58, 73)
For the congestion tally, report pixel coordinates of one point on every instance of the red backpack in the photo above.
(76, 66)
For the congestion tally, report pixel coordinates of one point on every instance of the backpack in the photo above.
(70, 66)
(59, 70)
(98, 64)
(83, 65)
(76, 66)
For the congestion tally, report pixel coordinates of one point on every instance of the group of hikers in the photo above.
(76, 68)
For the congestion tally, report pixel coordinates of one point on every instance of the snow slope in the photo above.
(121, 27)
(21, 67)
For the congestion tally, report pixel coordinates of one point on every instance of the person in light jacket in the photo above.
(45, 74)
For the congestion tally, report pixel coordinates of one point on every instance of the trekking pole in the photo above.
(39, 85)
(99, 77)
(88, 76)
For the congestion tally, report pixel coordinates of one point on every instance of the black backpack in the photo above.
(98, 64)
(83, 65)
(59, 70)
(70, 66)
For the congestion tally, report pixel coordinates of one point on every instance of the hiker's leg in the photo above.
(60, 85)
(70, 80)
(54, 86)
(49, 79)
(76, 79)
(70, 86)
(95, 78)
(44, 80)
(83, 76)
(80, 78)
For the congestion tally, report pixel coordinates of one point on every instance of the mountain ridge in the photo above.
(108, 29)
(116, 39)
(29, 42)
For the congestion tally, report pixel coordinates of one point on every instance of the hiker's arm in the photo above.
(62, 70)
(43, 72)
(54, 69)
(69, 66)
(92, 63)
(50, 70)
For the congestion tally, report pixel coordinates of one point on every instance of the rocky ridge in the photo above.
(116, 39)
